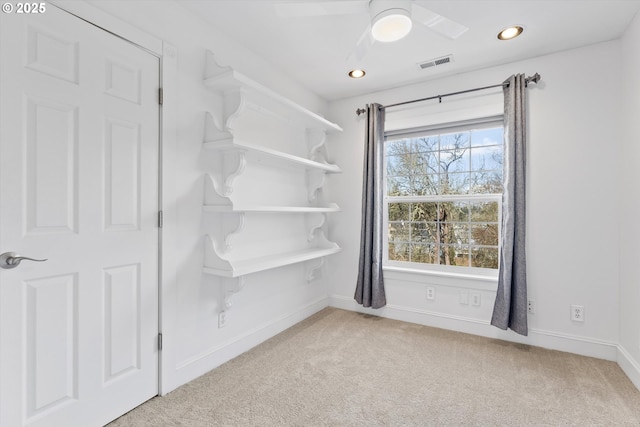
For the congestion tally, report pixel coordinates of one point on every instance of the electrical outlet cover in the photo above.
(475, 299)
(464, 298)
(431, 293)
(577, 313)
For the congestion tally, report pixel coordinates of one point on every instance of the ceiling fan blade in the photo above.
(437, 23)
(362, 47)
(294, 9)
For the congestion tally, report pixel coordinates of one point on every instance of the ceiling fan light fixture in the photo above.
(391, 25)
(510, 32)
(357, 73)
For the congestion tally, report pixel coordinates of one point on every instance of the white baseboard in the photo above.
(539, 338)
(201, 363)
(629, 366)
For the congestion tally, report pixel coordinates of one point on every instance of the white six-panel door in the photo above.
(79, 147)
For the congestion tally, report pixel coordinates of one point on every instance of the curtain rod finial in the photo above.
(361, 111)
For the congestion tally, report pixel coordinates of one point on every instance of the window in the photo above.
(443, 195)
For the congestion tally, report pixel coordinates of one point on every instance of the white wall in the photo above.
(629, 207)
(269, 302)
(572, 239)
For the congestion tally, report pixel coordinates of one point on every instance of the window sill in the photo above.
(442, 278)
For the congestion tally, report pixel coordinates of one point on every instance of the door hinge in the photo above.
(159, 341)
(160, 219)
(160, 96)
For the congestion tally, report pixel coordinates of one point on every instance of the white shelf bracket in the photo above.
(234, 163)
(212, 67)
(212, 194)
(235, 104)
(315, 182)
(316, 140)
(213, 130)
(232, 224)
(323, 242)
(314, 269)
(230, 287)
(212, 258)
(234, 99)
(314, 222)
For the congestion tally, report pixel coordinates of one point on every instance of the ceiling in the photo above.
(314, 49)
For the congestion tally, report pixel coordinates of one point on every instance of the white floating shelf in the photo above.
(272, 209)
(242, 268)
(235, 144)
(216, 202)
(217, 266)
(225, 80)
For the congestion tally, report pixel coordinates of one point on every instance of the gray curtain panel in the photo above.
(370, 286)
(510, 309)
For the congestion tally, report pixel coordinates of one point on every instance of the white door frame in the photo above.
(167, 54)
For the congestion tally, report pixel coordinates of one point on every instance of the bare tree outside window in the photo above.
(443, 198)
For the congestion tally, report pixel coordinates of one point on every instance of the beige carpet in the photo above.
(340, 368)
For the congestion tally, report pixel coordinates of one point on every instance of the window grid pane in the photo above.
(447, 233)
(444, 222)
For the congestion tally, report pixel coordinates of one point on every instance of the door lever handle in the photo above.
(10, 260)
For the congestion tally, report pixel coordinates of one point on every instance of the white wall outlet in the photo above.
(222, 319)
(531, 306)
(577, 313)
(475, 299)
(464, 298)
(431, 293)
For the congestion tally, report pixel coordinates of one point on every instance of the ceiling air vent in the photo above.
(435, 62)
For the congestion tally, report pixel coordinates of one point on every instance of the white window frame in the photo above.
(479, 272)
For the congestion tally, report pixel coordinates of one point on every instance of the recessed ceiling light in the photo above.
(356, 74)
(510, 32)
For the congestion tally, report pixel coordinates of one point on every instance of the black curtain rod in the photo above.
(535, 78)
